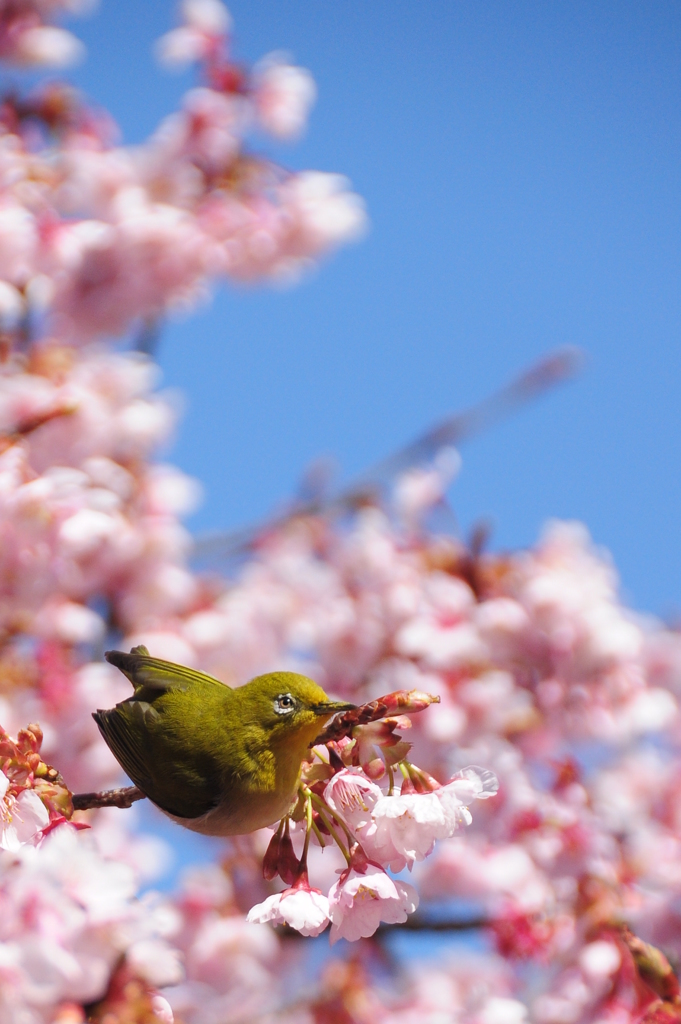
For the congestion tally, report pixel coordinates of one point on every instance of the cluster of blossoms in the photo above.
(34, 797)
(69, 914)
(99, 237)
(373, 827)
(28, 37)
(571, 871)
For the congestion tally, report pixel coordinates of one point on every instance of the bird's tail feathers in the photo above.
(153, 674)
(128, 663)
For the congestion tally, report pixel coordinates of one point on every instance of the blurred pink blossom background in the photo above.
(566, 697)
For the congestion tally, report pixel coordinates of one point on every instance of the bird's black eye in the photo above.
(284, 704)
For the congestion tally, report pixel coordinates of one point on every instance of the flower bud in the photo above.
(271, 858)
(287, 863)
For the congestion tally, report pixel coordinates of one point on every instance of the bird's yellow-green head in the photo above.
(288, 705)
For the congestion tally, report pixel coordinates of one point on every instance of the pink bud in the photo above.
(161, 1009)
(30, 738)
(319, 822)
(288, 862)
(271, 858)
(425, 783)
(359, 861)
(375, 710)
(408, 700)
(335, 759)
(375, 768)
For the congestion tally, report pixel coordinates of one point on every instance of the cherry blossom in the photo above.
(411, 824)
(568, 865)
(302, 908)
(206, 23)
(68, 910)
(96, 238)
(283, 96)
(22, 817)
(26, 37)
(360, 901)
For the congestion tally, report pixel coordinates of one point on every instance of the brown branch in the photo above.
(412, 924)
(124, 797)
(422, 924)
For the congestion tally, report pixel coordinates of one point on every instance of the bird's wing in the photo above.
(124, 745)
(161, 747)
(155, 674)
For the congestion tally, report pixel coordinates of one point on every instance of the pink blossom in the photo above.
(22, 817)
(232, 967)
(155, 961)
(467, 785)
(209, 16)
(502, 1010)
(182, 46)
(419, 490)
(284, 95)
(18, 242)
(359, 902)
(152, 254)
(325, 213)
(302, 908)
(206, 21)
(207, 130)
(25, 38)
(68, 910)
(532, 651)
(12, 306)
(162, 1009)
(352, 797)
(377, 745)
(48, 46)
(411, 824)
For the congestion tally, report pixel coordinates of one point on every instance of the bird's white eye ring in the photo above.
(284, 704)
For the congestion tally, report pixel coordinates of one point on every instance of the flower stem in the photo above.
(308, 830)
(321, 806)
(319, 751)
(320, 836)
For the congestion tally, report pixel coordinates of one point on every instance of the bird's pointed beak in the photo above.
(332, 707)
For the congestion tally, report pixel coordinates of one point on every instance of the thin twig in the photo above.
(422, 924)
(124, 797)
(549, 371)
(412, 924)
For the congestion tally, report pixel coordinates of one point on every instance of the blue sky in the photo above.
(520, 164)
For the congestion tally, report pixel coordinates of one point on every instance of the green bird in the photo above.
(217, 760)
